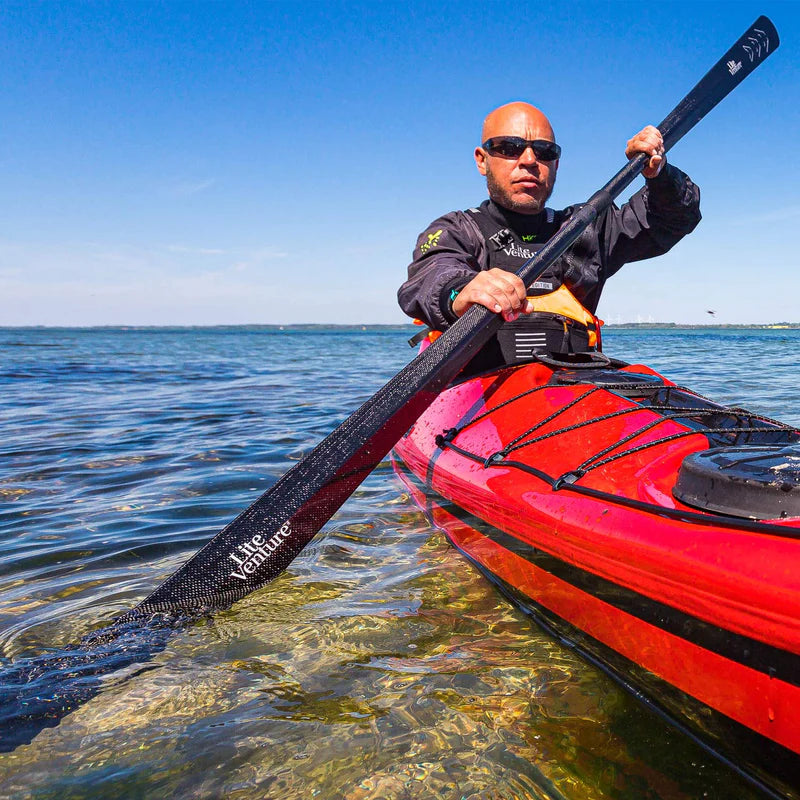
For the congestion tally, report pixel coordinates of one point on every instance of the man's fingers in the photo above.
(495, 299)
(651, 137)
(510, 284)
(503, 288)
(648, 141)
(498, 290)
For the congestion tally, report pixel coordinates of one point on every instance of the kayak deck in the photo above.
(575, 480)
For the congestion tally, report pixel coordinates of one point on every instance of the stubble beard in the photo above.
(502, 197)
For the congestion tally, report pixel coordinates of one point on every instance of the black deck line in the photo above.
(557, 484)
(693, 517)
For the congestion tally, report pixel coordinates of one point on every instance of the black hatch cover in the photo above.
(754, 481)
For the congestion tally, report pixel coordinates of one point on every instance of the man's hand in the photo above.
(648, 141)
(498, 290)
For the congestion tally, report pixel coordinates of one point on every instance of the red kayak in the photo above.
(656, 531)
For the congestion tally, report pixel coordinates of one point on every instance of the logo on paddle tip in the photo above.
(755, 44)
(250, 555)
(734, 66)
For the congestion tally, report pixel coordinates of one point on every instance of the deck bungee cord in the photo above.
(741, 431)
(737, 433)
(262, 541)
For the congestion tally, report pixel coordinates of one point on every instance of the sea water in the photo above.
(380, 664)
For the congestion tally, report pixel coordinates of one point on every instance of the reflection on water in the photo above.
(381, 665)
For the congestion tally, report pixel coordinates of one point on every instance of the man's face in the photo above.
(521, 184)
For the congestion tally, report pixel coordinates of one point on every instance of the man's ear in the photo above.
(480, 160)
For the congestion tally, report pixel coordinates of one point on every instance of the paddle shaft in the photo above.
(266, 537)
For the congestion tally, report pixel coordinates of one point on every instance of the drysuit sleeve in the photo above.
(652, 221)
(448, 255)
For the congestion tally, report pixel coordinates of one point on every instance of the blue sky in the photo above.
(224, 163)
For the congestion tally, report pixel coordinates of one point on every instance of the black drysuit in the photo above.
(453, 248)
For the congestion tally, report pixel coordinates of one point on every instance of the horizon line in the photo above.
(365, 325)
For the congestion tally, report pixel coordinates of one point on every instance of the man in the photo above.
(469, 257)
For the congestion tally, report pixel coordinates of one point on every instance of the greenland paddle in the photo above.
(260, 543)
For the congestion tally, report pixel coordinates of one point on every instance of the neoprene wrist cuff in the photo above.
(448, 295)
(666, 176)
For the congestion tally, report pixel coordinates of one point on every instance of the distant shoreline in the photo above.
(705, 326)
(403, 327)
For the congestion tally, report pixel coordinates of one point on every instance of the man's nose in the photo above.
(528, 156)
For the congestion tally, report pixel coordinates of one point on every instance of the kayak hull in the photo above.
(699, 612)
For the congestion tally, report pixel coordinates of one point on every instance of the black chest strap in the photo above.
(509, 246)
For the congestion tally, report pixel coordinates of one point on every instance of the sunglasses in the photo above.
(514, 147)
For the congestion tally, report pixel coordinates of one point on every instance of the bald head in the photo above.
(517, 119)
(520, 183)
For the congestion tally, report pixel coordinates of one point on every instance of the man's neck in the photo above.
(521, 223)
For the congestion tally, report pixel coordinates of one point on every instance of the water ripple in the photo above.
(379, 666)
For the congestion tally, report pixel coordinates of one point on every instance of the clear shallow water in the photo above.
(381, 664)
